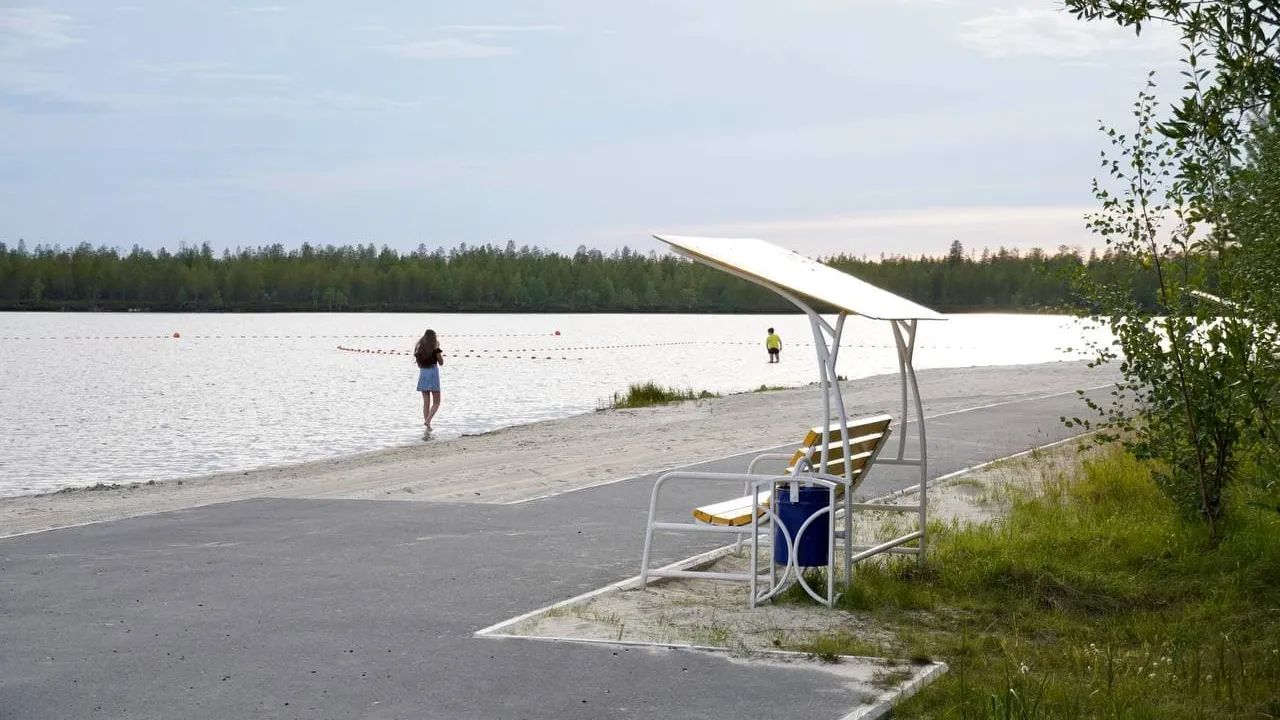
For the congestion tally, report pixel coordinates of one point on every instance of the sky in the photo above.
(864, 127)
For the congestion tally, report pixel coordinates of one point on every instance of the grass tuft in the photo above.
(1094, 598)
(650, 393)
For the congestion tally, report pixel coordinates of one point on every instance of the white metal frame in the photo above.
(763, 518)
(827, 346)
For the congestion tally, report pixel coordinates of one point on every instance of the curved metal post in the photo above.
(820, 349)
(906, 356)
(902, 385)
(848, 452)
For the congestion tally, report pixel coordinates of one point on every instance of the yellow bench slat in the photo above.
(865, 434)
(737, 512)
(733, 512)
(835, 465)
(872, 425)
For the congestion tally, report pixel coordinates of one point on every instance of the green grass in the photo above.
(1094, 600)
(769, 388)
(650, 393)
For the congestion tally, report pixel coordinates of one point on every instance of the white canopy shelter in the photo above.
(784, 270)
(805, 282)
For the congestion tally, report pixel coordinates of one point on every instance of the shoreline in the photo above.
(524, 462)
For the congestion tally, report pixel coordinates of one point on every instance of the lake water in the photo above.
(101, 397)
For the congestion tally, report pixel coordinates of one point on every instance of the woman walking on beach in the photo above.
(429, 358)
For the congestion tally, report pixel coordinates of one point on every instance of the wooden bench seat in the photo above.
(866, 436)
(733, 512)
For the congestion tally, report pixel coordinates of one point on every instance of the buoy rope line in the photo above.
(249, 337)
(484, 355)
(574, 348)
(534, 353)
(590, 347)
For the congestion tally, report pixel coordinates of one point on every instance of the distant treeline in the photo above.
(494, 279)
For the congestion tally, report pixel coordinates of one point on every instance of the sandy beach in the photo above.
(531, 461)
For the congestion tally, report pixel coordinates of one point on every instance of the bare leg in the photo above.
(426, 409)
(435, 406)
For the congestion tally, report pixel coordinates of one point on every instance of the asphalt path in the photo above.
(276, 608)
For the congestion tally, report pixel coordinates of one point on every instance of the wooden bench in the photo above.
(866, 436)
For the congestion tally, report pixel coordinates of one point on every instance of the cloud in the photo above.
(453, 48)
(1028, 32)
(262, 10)
(27, 86)
(38, 103)
(31, 90)
(244, 77)
(27, 81)
(449, 49)
(268, 105)
(29, 29)
(504, 28)
(940, 129)
(381, 176)
(210, 71)
(912, 232)
(950, 217)
(197, 86)
(356, 102)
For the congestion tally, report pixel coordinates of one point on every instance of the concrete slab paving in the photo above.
(366, 609)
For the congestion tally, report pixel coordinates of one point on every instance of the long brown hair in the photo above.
(425, 351)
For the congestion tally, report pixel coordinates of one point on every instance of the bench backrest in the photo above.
(866, 436)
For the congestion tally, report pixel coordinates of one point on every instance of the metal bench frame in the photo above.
(840, 505)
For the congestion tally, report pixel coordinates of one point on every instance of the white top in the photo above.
(769, 264)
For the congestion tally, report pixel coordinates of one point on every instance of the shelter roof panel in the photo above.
(774, 266)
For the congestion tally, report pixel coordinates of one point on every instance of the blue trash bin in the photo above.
(811, 551)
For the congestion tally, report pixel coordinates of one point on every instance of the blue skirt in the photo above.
(429, 379)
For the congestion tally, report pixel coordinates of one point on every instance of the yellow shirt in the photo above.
(773, 341)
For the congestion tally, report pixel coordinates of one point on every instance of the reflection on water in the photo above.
(91, 398)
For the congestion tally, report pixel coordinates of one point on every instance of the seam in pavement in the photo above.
(556, 493)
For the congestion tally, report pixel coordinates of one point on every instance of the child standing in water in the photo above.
(773, 344)
(429, 358)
